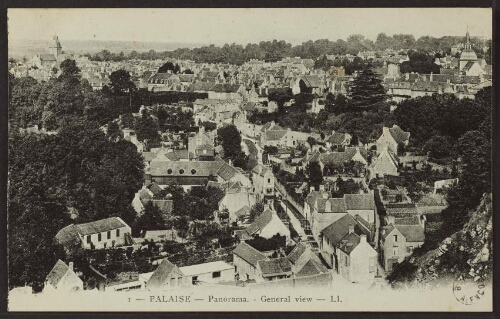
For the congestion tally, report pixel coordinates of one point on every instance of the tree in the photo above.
(69, 68)
(169, 66)
(311, 141)
(152, 217)
(147, 129)
(367, 89)
(230, 139)
(255, 211)
(120, 82)
(127, 120)
(113, 131)
(438, 147)
(314, 174)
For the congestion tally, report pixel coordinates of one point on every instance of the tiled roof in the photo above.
(57, 272)
(243, 211)
(297, 251)
(100, 226)
(249, 254)
(225, 88)
(311, 268)
(398, 209)
(165, 205)
(67, 235)
(273, 135)
(412, 233)
(398, 134)
(337, 138)
(226, 172)
(359, 201)
(349, 243)
(191, 168)
(275, 266)
(337, 205)
(261, 222)
(161, 274)
(340, 228)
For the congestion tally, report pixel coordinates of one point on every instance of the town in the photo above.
(157, 171)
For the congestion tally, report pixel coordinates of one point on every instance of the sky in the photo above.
(242, 26)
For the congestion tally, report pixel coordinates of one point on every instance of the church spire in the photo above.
(467, 39)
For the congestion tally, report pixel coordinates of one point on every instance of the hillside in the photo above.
(465, 255)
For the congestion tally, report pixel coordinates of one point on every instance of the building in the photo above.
(245, 261)
(104, 233)
(266, 225)
(312, 84)
(357, 259)
(201, 145)
(212, 272)
(263, 181)
(398, 242)
(387, 163)
(467, 55)
(332, 235)
(166, 276)
(338, 139)
(391, 138)
(63, 279)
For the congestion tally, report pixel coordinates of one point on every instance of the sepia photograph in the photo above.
(250, 159)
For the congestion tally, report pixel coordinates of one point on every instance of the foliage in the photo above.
(367, 89)
(263, 244)
(152, 217)
(438, 147)
(120, 82)
(419, 62)
(230, 139)
(169, 67)
(69, 68)
(255, 211)
(147, 128)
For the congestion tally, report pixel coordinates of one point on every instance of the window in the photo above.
(216, 274)
(194, 280)
(98, 237)
(193, 171)
(109, 234)
(395, 251)
(181, 171)
(88, 239)
(117, 233)
(395, 238)
(345, 261)
(169, 171)
(269, 180)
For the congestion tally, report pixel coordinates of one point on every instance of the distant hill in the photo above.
(19, 48)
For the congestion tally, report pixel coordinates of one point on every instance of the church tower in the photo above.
(55, 48)
(467, 55)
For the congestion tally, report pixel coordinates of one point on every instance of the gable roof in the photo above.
(311, 268)
(226, 171)
(296, 252)
(57, 273)
(275, 266)
(398, 134)
(412, 233)
(100, 226)
(225, 88)
(261, 222)
(340, 228)
(249, 254)
(337, 205)
(161, 274)
(274, 135)
(359, 201)
(311, 80)
(349, 243)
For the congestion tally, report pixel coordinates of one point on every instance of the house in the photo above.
(201, 145)
(63, 279)
(387, 163)
(331, 236)
(398, 242)
(104, 233)
(391, 138)
(305, 262)
(193, 173)
(237, 204)
(263, 181)
(266, 225)
(439, 186)
(338, 139)
(357, 259)
(274, 269)
(312, 84)
(166, 276)
(211, 272)
(245, 261)
(225, 91)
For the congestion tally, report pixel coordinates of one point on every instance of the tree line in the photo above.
(277, 49)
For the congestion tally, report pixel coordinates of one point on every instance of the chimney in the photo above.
(311, 189)
(430, 78)
(260, 90)
(266, 206)
(71, 265)
(385, 131)
(407, 76)
(351, 229)
(322, 187)
(363, 239)
(267, 90)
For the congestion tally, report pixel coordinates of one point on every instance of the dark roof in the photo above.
(412, 233)
(57, 272)
(225, 88)
(340, 228)
(165, 205)
(359, 201)
(273, 135)
(311, 268)
(191, 168)
(296, 252)
(261, 222)
(154, 188)
(161, 274)
(337, 205)
(67, 235)
(200, 86)
(398, 134)
(395, 209)
(275, 266)
(226, 172)
(349, 243)
(337, 138)
(161, 77)
(47, 57)
(100, 226)
(249, 254)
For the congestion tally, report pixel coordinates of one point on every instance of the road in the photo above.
(295, 222)
(256, 143)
